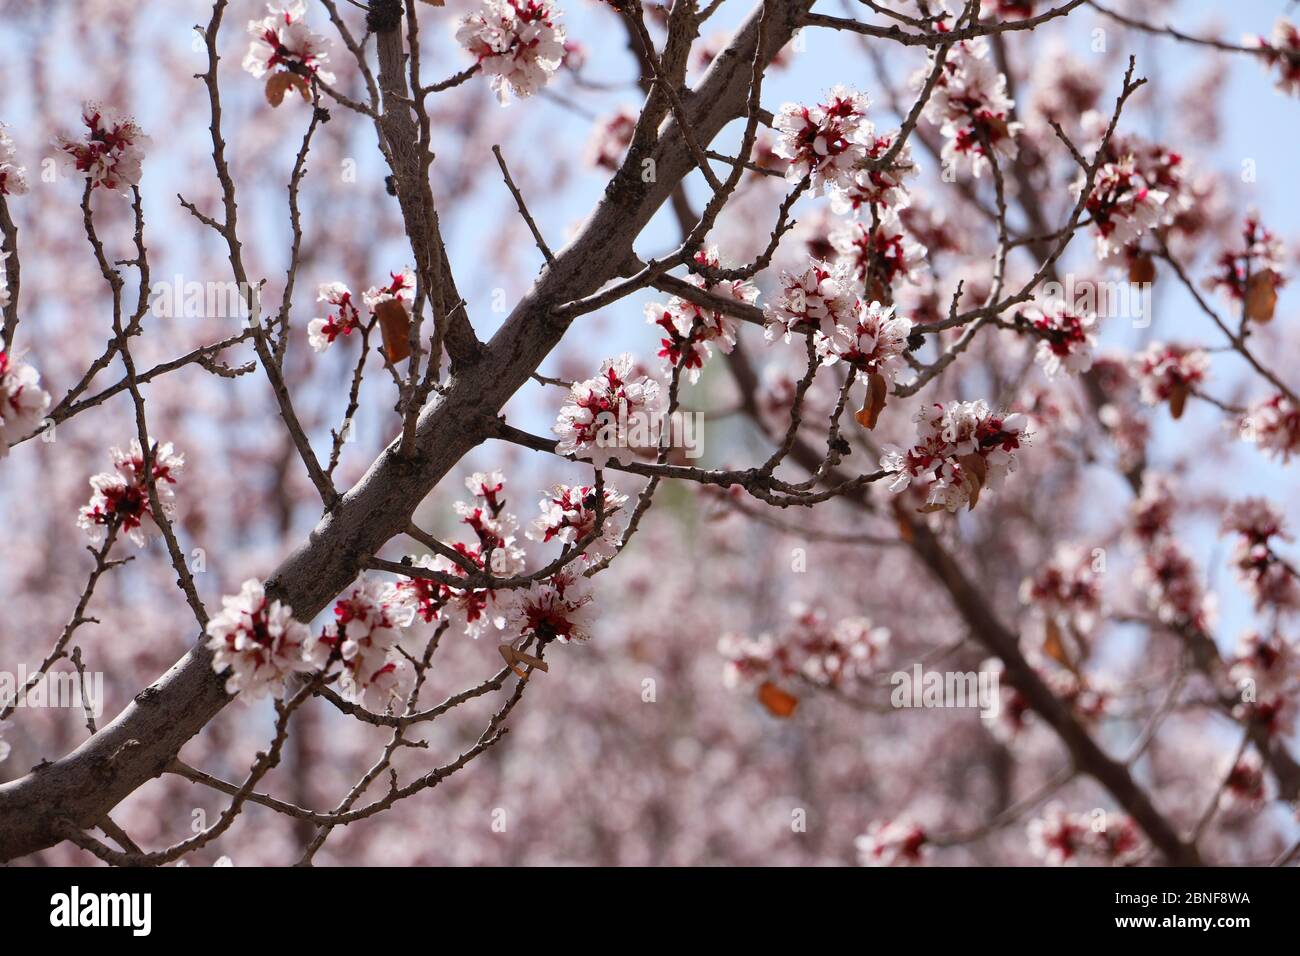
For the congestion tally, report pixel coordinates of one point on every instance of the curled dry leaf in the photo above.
(395, 325)
(1178, 400)
(974, 472)
(515, 658)
(1141, 269)
(778, 702)
(278, 84)
(877, 389)
(1261, 296)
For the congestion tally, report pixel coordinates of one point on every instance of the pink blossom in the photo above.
(13, 177)
(898, 842)
(23, 402)
(282, 42)
(518, 43)
(345, 316)
(1274, 425)
(961, 448)
(112, 152)
(825, 142)
(121, 497)
(258, 640)
(558, 608)
(603, 416)
(1066, 337)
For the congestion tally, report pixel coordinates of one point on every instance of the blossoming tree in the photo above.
(933, 437)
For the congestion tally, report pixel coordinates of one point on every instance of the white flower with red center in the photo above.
(23, 402)
(121, 497)
(1244, 783)
(1122, 206)
(880, 253)
(1066, 588)
(1151, 515)
(609, 417)
(112, 152)
(816, 300)
(282, 42)
(682, 343)
(898, 842)
(258, 640)
(1283, 52)
(970, 103)
(1066, 337)
(473, 609)
(1168, 372)
(688, 328)
(401, 286)
(13, 178)
(874, 343)
(1270, 579)
(343, 318)
(558, 608)
(961, 449)
(1273, 425)
(809, 649)
(1173, 585)
(1058, 837)
(1251, 273)
(492, 525)
(568, 515)
(611, 138)
(869, 187)
(825, 142)
(518, 43)
(368, 624)
(1264, 675)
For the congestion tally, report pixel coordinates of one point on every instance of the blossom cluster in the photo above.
(961, 448)
(1062, 838)
(1167, 573)
(111, 154)
(1264, 674)
(1066, 336)
(120, 498)
(971, 106)
(1273, 424)
(369, 621)
(900, 842)
(1122, 205)
(881, 253)
(568, 514)
(1283, 51)
(688, 329)
(493, 551)
(518, 43)
(13, 177)
(809, 649)
(1168, 372)
(23, 402)
(282, 43)
(1251, 274)
(603, 416)
(344, 316)
(257, 639)
(1266, 575)
(1066, 589)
